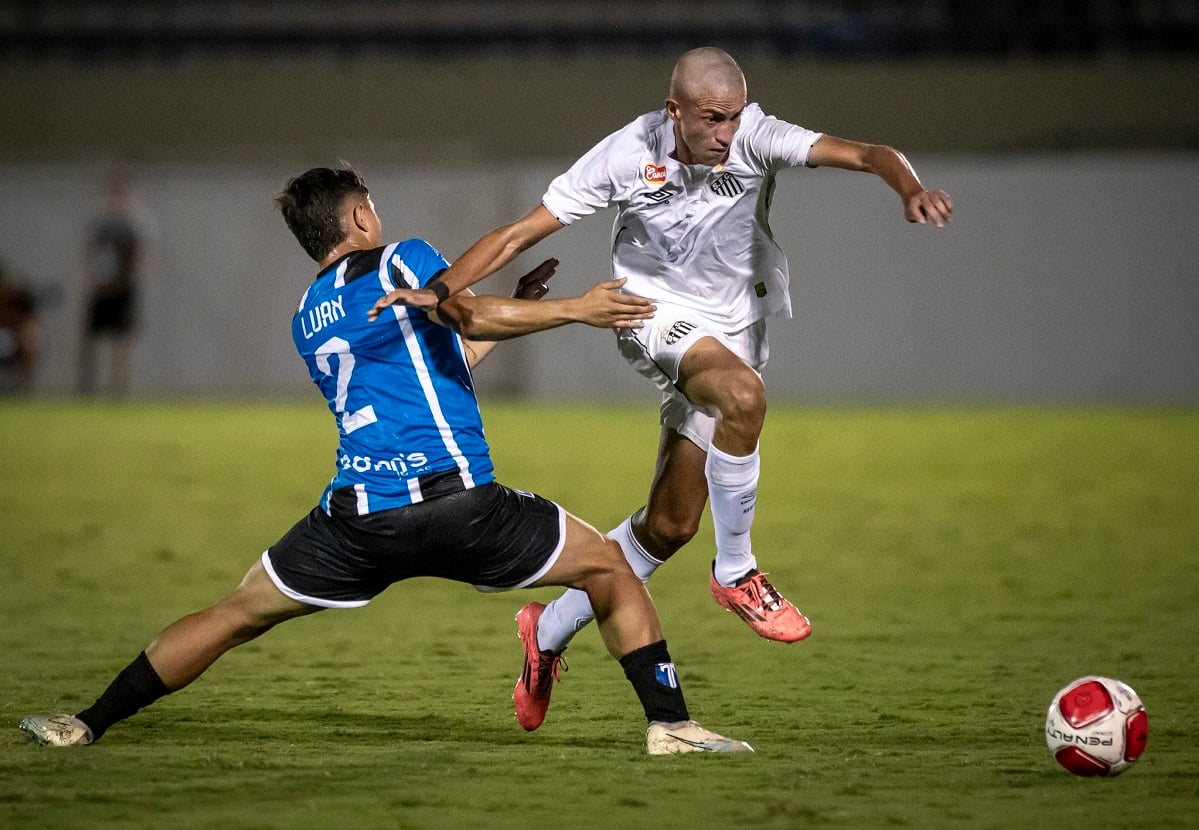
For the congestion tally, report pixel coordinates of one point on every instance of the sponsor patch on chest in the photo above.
(654, 174)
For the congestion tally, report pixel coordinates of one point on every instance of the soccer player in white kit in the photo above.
(693, 185)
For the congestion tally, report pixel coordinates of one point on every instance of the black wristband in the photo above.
(440, 289)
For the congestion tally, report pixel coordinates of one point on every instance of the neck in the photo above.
(347, 247)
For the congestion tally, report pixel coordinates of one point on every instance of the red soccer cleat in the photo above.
(763, 608)
(536, 681)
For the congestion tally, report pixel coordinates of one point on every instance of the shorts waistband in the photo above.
(345, 502)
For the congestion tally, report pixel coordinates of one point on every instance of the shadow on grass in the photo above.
(334, 726)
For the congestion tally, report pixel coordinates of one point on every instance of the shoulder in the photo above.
(753, 118)
(418, 249)
(768, 143)
(420, 258)
(641, 134)
(650, 128)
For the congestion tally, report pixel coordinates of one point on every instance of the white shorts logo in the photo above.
(678, 331)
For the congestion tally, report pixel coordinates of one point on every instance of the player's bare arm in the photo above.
(487, 317)
(920, 206)
(532, 286)
(492, 252)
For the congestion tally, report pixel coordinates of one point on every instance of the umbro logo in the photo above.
(660, 197)
(678, 331)
(726, 184)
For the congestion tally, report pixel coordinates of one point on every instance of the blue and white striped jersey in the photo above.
(399, 387)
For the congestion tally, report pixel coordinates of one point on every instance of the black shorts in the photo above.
(491, 537)
(111, 314)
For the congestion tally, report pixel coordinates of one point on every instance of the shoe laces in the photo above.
(549, 668)
(762, 594)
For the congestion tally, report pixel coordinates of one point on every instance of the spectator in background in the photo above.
(111, 261)
(20, 335)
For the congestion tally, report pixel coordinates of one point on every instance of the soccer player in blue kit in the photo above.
(414, 493)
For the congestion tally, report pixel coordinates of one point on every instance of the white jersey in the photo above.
(691, 234)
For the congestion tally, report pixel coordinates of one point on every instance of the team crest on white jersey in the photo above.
(726, 184)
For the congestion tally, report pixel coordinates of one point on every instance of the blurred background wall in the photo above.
(1068, 134)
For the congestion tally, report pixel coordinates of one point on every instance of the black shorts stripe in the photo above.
(343, 502)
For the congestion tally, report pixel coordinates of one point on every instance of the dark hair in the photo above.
(311, 204)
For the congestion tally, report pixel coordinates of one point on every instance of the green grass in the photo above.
(959, 566)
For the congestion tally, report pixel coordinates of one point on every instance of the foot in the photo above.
(763, 608)
(688, 736)
(536, 681)
(56, 730)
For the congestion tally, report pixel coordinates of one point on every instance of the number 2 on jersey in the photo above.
(336, 346)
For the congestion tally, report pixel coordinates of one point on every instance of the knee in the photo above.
(240, 624)
(663, 534)
(743, 398)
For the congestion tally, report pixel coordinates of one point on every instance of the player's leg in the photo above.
(122, 358)
(86, 381)
(593, 563)
(587, 557)
(629, 625)
(668, 521)
(187, 647)
(716, 379)
(671, 515)
(176, 657)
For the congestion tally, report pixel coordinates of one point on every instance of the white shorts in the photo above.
(657, 349)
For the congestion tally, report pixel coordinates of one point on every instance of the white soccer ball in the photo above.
(1096, 726)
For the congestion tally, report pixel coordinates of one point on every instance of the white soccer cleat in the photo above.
(56, 730)
(688, 736)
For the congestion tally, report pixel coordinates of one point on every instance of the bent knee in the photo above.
(241, 624)
(663, 535)
(743, 397)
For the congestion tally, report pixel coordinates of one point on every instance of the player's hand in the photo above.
(422, 298)
(534, 285)
(605, 307)
(929, 206)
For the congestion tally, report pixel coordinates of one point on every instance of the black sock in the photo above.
(136, 687)
(657, 685)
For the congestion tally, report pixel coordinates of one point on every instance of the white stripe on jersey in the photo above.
(418, 363)
(364, 506)
(339, 281)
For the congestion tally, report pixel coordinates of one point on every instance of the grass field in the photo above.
(959, 566)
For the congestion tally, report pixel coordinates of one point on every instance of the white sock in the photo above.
(566, 615)
(732, 491)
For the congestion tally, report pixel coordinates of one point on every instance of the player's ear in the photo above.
(359, 215)
(672, 109)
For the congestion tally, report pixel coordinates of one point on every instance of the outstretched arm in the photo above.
(919, 205)
(532, 286)
(485, 319)
(489, 254)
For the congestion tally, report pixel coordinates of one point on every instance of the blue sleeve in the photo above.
(422, 259)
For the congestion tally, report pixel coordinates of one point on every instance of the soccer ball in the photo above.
(1096, 726)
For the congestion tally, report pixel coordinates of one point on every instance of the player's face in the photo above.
(704, 127)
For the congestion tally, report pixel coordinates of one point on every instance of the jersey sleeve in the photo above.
(776, 144)
(592, 183)
(421, 259)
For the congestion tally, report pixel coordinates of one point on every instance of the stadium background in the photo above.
(1067, 132)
